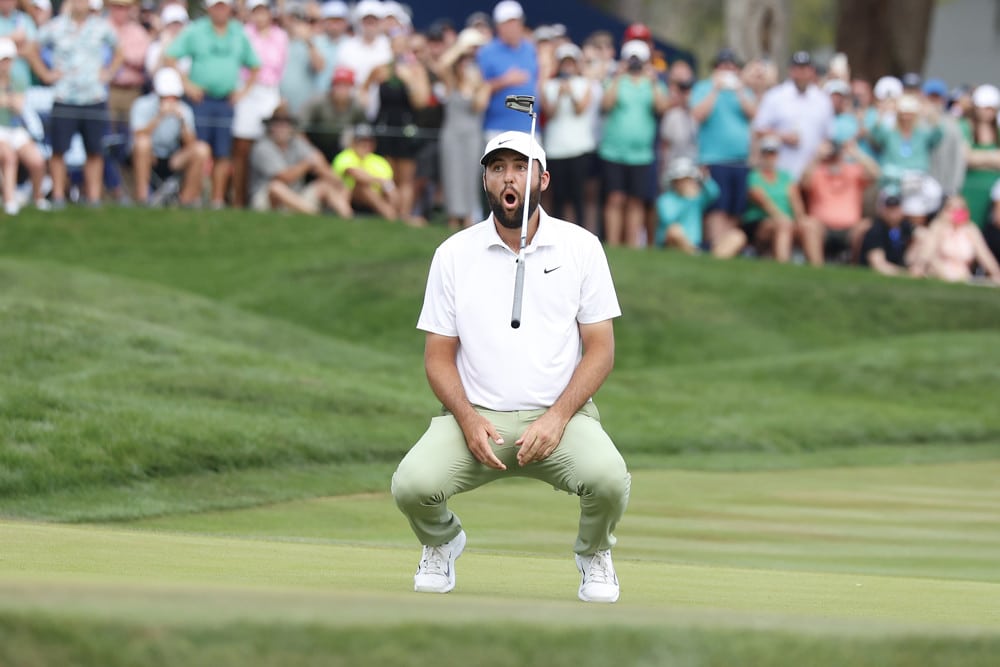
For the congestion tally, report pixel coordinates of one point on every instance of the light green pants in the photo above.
(586, 463)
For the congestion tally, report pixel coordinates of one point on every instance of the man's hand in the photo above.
(541, 438)
(478, 432)
(194, 92)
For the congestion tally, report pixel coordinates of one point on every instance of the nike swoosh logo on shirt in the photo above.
(551, 270)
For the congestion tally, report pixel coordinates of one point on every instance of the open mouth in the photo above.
(510, 199)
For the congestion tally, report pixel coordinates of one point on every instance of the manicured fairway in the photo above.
(854, 551)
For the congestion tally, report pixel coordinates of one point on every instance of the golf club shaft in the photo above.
(515, 315)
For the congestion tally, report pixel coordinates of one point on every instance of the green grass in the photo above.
(218, 402)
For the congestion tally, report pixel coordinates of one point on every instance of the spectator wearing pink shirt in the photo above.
(126, 84)
(270, 42)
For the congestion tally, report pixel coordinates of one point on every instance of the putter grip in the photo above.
(515, 315)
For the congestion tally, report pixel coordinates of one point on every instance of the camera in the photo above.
(635, 64)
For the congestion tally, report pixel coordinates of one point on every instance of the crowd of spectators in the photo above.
(312, 107)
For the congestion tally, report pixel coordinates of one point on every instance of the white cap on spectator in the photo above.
(564, 51)
(167, 83)
(369, 8)
(635, 48)
(908, 104)
(682, 167)
(519, 142)
(888, 87)
(470, 38)
(507, 10)
(212, 3)
(174, 13)
(43, 4)
(986, 96)
(836, 87)
(335, 9)
(770, 143)
(254, 4)
(95, 5)
(396, 10)
(8, 49)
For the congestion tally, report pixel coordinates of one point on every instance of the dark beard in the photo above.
(514, 219)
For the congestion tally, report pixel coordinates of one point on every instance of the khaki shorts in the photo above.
(261, 200)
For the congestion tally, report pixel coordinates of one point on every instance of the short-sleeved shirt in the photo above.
(166, 136)
(324, 123)
(893, 241)
(216, 59)
(330, 48)
(672, 208)
(268, 159)
(373, 164)
(630, 126)
(18, 20)
(567, 283)
(271, 48)
(836, 196)
(298, 77)
(809, 114)
(724, 135)
(79, 51)
(899, 153)
(567, 133)
(776, 190)
(495, 59)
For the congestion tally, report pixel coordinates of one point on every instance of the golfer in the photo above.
(516, 402)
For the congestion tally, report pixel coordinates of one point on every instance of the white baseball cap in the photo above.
(95, 5)
(8, 49)
(986, 96)
(519, 142)
(391, 8)
(636, 48)
(43, 4)
(682, 167)
(369, 8)
(254, 4)
(174, 13)
(335, 9)
(507, 10)
(167, 83)
(568, 50)
(470, 38)
(836, 87)
(888, 87)
(212, 3)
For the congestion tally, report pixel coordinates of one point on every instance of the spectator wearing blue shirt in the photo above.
(723, 108)
(681, 206)
(510, 66)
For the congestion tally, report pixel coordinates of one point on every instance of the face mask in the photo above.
(959, 216)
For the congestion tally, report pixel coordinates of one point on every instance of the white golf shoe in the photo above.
(436, 572)
(598, 581)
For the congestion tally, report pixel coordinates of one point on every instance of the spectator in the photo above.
(798, 112)
(723, 108)
(429, 49)
(863, 101)
(947, 165)
(991, 230)
(887, 246)
(846, 124)
(164, 140)
(568, 137)
(16, 145)
(775, 203)
(367, 175)
(681, 208)
(126, 87)
(282, 160)
(21, 29)
(834, 184)
(510, 67)
(367, 48)
(465, 99)
(79, 78)
(173, 19)
(327, 116)
(334, 16)
(904, 155)
(982, 151)
(304, 58)
(632, 101)
(481, 22)
(270, 42)
(403, 89)
(760, 75)
(218, 47)
(950, 247)
(678, 129)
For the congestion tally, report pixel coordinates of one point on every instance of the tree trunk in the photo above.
(884, 36)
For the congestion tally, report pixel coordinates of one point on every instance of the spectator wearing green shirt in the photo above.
(218, 48)
(982, 151)
(632, 100)
(775, 203)
(367, 175)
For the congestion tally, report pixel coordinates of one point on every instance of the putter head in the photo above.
(522, 103)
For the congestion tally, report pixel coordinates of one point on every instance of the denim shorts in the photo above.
(213, 122)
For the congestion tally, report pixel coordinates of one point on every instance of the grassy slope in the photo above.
(172, 361)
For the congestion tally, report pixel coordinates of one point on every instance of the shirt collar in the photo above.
(544, 235)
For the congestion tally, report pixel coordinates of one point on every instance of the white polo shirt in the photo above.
(810, 114)
(470, 291)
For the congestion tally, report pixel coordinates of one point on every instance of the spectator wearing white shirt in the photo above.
(368, 48)
(799, 113)
(173, 19)
(569, 140)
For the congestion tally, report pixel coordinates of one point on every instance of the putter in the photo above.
(524, 104)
